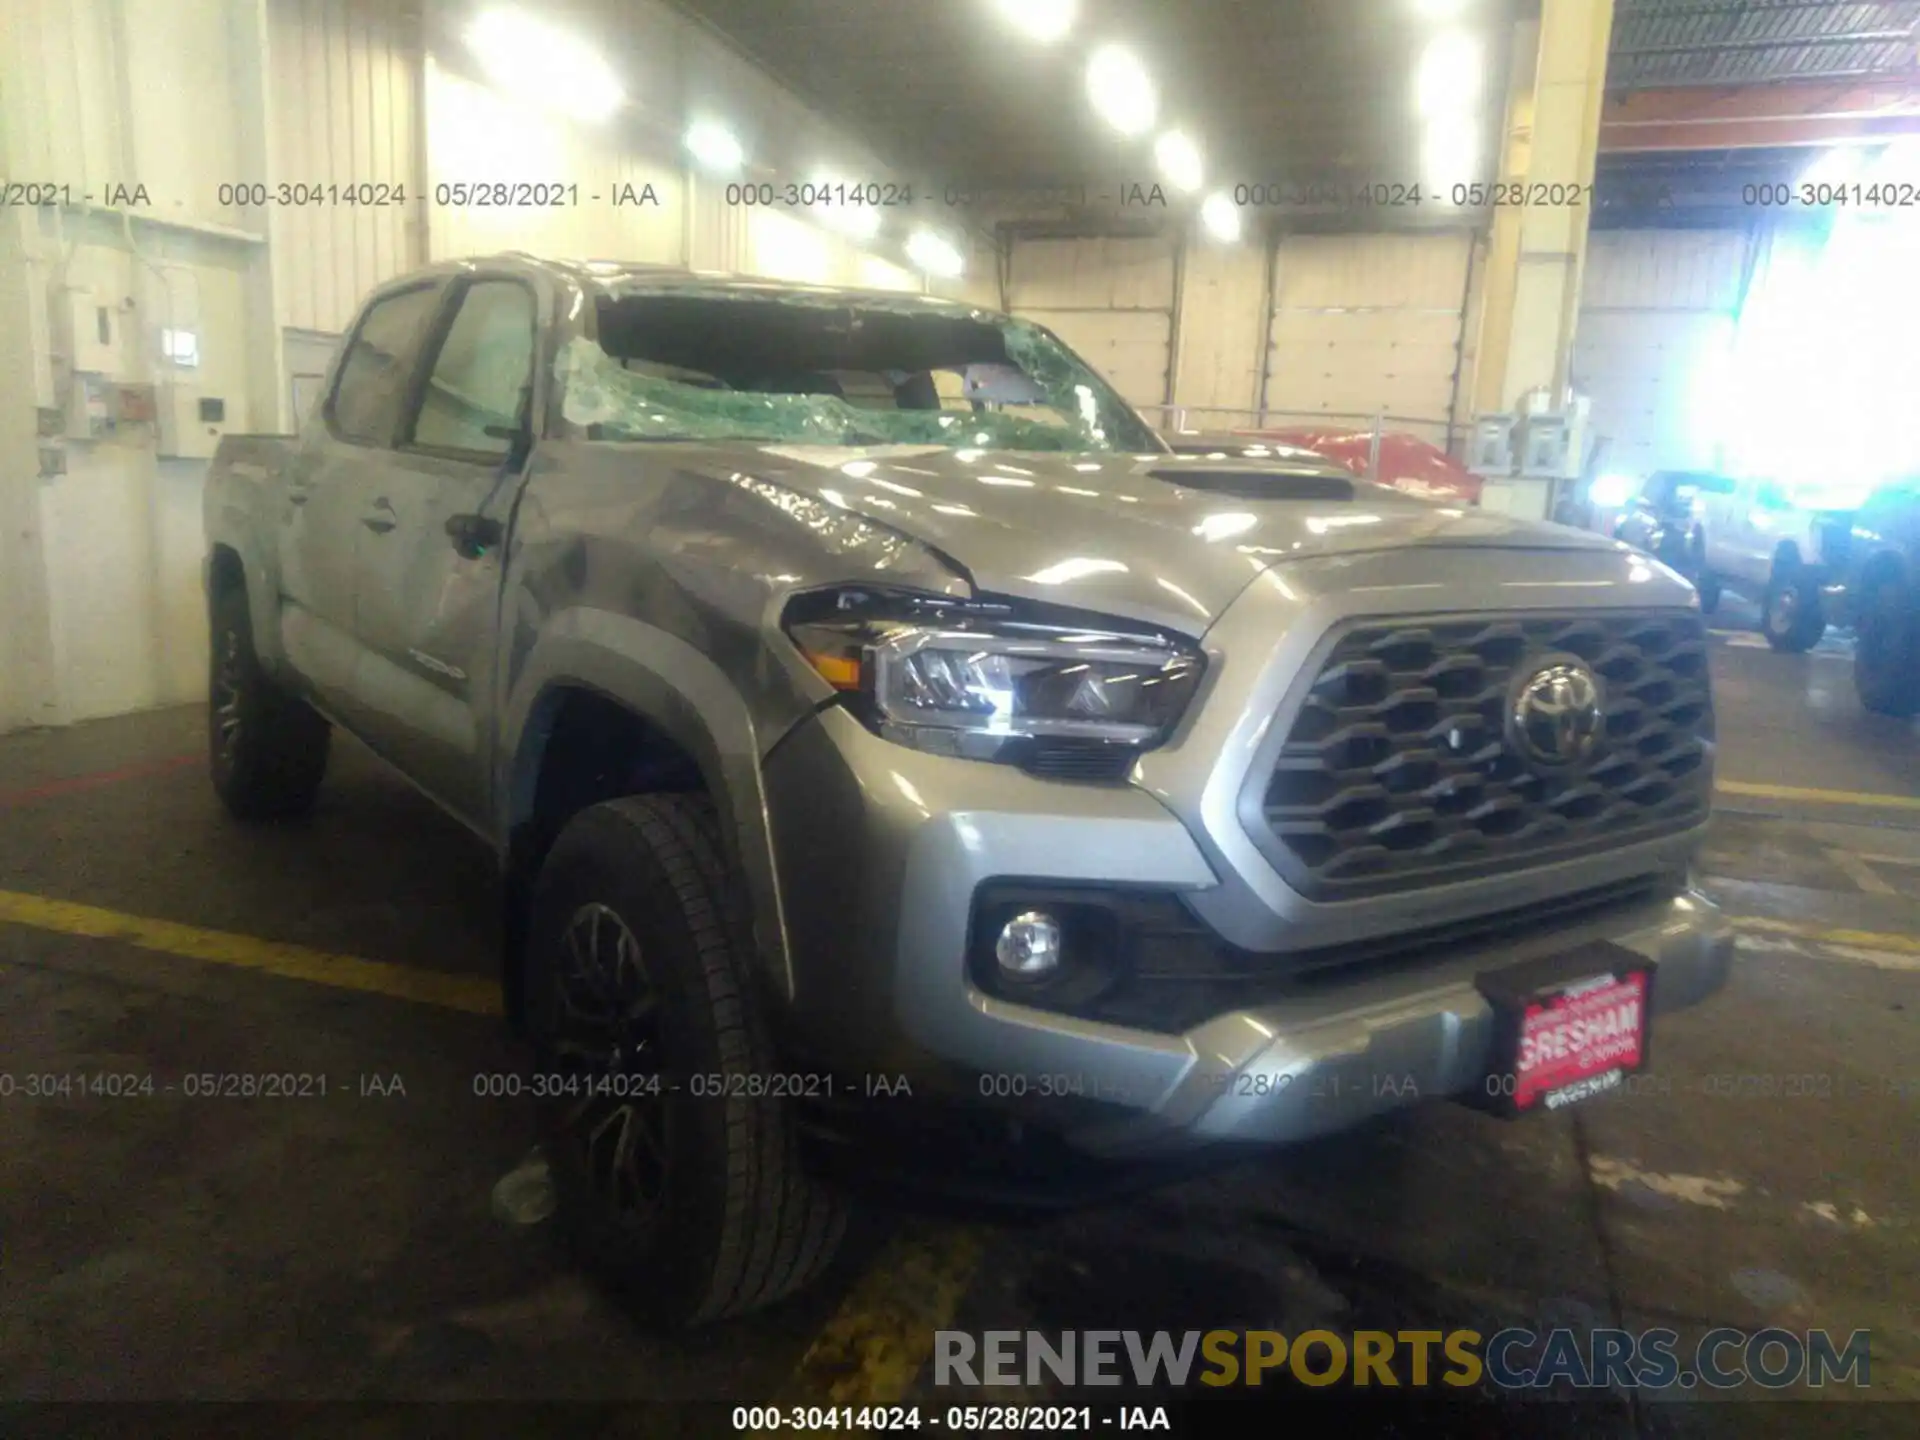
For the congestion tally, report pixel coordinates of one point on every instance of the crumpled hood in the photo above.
(1119, 534)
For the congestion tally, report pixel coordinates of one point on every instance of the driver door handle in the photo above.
(473, 535)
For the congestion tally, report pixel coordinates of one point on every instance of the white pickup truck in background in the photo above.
(1782, 546)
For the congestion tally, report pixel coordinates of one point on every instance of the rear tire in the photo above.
(1791, 616)
(640, 992)
(266, 749)
(1886, 655)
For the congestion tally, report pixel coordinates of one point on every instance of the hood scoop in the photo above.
(1262, 483)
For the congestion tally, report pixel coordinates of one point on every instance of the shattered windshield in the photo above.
(690, 365)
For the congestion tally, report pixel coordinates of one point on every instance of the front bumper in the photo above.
(1279, 1074)
(878, 925)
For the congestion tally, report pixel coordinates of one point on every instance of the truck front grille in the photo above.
(1398, 769)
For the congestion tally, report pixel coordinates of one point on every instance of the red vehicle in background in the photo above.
(1406, 461)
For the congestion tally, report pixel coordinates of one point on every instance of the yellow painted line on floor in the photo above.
(1889, 943)
(248, 952)
(870, 1350)
(1864, 798)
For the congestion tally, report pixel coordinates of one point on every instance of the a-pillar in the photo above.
(1536, 252)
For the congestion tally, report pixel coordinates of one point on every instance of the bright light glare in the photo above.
(856, 222)
(1221, 216)
(1450, 151)
(1447, 80)
(1077, 568)
(935, 254)
(1121, 90)
(1225, 525)
(1179, 160)
(536, 61)
(1610, 492)
(1439, 9)
(1038, 19)
(715, 146)
(1839, 166)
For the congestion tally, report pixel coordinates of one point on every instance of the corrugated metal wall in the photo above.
(1657, 316)
(345, 103)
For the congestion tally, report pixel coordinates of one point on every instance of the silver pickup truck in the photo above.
(883, 735)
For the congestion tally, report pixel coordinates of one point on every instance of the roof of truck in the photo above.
(622, 274)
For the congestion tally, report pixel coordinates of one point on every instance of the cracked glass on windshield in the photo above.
(826, 372)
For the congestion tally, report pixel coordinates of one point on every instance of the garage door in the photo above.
(1110, 299)
(1655, 332)
(1364, 324)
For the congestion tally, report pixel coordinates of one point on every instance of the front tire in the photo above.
(266, 749)
(1704, 580)
(1886, 655)
(1790, 614)
(640, 993)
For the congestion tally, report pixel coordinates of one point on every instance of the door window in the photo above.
(477, 395)
(373, 377)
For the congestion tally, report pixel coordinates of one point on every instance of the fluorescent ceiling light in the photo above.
(1038, 19)
(1121, 90)
(934, 254)
(1447, 78)
(1179, 160)
(1450, 153)
(1440, 9)
(542, 63)
(1221, 216)
(714, 146)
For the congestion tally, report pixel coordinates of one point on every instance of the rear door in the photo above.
(429, 573)
(327, 489)
(1726, 527)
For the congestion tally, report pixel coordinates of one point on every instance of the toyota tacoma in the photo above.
(881, 733)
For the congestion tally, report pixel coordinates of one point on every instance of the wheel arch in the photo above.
(605, 706)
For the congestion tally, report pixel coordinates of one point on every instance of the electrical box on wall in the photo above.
(191, 422)
(1492, 445)
(89, 408)
(88, 335)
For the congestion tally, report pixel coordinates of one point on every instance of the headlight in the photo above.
(989, 682)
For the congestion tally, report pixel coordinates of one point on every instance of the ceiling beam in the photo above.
(1766, 42)
(1630, 10)
(1751, 116)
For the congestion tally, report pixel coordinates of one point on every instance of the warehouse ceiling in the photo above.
(951, 94)
(1745, 42)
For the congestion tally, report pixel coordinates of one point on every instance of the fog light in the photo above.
(1029, 945)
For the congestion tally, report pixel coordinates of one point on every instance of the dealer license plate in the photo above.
(1568, 1028)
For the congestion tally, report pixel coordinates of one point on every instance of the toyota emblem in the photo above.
(1557, 712)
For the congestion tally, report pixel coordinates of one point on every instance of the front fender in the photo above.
(667, 682)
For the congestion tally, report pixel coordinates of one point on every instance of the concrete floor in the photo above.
(345, 1247)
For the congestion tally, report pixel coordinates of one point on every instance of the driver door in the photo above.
(429, 572)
